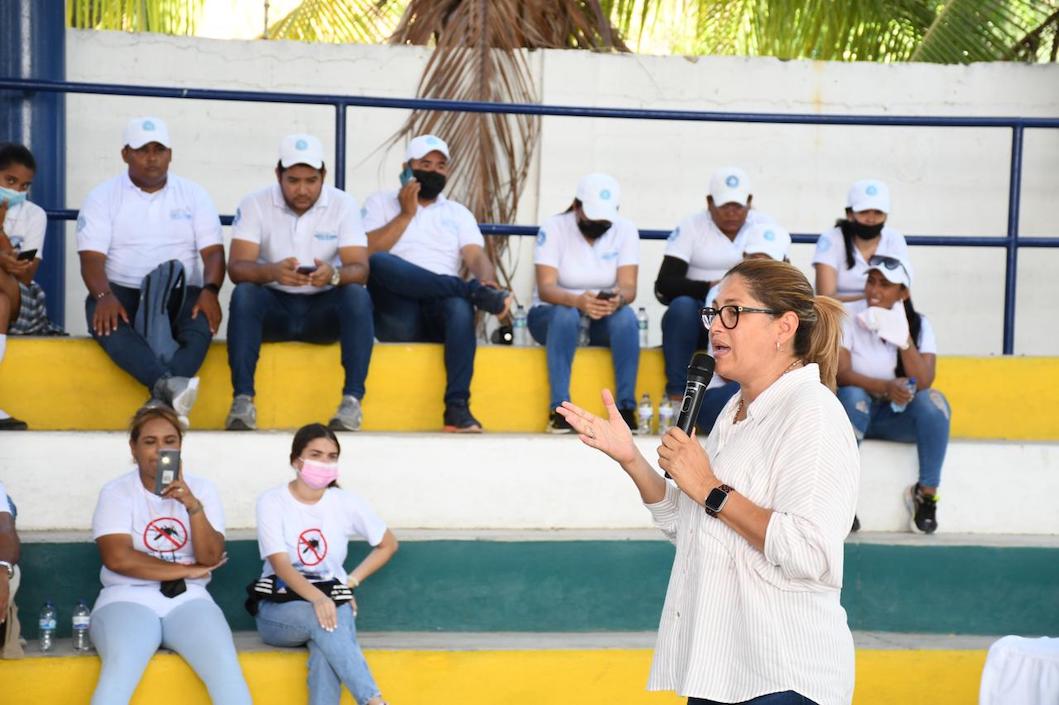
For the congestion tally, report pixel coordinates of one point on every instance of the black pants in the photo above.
(787, 697)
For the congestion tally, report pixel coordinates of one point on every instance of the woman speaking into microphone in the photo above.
(752, 613)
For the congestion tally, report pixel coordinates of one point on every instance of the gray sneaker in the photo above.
(178, 392)
(242, 416)
(348, 417)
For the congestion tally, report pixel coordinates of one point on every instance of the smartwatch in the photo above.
(336, 276)
(716, 500)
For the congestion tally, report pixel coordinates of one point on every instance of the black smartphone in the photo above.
(28, 255)
(168, 469)
(606, 295)
(307, 269)
(406, 175)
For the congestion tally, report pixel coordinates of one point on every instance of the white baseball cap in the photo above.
(896, 270)
(144, 130)
(867, 195)
(769, 239)
(600, 196)
(729, 185)
(301, 149)
(424, 145)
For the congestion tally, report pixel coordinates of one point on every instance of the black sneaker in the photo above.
(489, 299)
(458, 419)
(629, 417)
(923, 508)
(557, 423)
(10, 423)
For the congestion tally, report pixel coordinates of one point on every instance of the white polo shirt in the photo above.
(585, 266)
(314, 536)
(831, 250)
(871, 355)
(708, 251)
(24, 225)
(434, 237)
(138, 231)
(265, 219)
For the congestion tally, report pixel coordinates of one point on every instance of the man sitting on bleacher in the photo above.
(9, 550)
(148, 226)
(419, 240)
(299, 259)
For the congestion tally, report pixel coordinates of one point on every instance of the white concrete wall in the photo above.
(944, 181)
(437, 481)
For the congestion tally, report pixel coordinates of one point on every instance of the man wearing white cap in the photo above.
(128, 227)
(299, 260)
(418, 241)
(842, 253)
(586, 264)
(699, 251)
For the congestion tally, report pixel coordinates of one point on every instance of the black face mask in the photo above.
(431, 183)
(593, 229)
(865, 232)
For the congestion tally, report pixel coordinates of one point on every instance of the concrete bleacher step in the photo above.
(494, 668)
(69, 383)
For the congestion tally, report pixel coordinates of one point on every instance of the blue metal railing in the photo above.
(1010, 241)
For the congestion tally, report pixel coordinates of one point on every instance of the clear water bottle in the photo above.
(910, 383)
(665, 414)
(583, 336)
(643, 415)
(520, 326)
(641, 323)
(47, 624)
(81, 621)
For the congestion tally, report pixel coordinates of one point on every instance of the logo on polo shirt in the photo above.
(82, 222)
(301, 145)
(871, 190)
(674, 235)
(732, 181)
(326, 236)
(613, 254)
(823, 244)
(180, 214)
(542, 237)
(451, 225)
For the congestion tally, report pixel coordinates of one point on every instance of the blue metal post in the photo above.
(33, 46)
(340, 146)
(1011, 272)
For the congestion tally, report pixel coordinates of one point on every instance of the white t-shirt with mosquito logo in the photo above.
(159, 527)
(314, 536)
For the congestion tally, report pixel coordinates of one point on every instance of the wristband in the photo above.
(354, 582)
(101, 295)
(196, 510)
(215, 288)
(10, 568)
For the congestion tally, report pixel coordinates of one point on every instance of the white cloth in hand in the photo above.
(889, 324)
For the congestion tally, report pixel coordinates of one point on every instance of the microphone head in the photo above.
(700, 369)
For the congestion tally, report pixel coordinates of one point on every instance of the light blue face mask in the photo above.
(13, 198)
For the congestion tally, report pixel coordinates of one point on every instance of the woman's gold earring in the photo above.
(777, 346)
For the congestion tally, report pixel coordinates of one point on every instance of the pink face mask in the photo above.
(318, 475)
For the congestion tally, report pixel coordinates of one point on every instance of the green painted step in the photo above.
(583, 586)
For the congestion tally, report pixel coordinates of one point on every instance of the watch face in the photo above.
(716, 499)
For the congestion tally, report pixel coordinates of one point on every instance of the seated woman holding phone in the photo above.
(22, 226)
(160, 535)
(586, 263)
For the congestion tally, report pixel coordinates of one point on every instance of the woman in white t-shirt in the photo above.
(586, 262)
(303, 531)
(886, 370)
(158, 552)
(842, 253)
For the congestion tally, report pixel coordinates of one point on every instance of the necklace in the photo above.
(741, 410)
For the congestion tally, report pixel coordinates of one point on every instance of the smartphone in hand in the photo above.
(406, 175)
(605, 295)
(27, 256)
(168, 469)
(307, 269)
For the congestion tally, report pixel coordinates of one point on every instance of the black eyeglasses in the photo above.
(730, 314)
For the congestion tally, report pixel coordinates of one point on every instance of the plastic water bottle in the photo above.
(81, 621)
(665, 414)
(47, 623)
(641, 323)
(643, 415)
(911, 385)
(583, 337)
(520, 326)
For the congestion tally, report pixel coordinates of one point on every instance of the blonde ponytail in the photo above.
(825, 338)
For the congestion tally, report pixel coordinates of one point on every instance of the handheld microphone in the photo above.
(700, 372)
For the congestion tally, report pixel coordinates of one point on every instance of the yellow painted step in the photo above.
(58, 384)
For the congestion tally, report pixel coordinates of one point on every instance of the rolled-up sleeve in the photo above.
(666, 511)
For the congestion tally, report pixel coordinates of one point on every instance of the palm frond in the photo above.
(339, 21)
(981, 30)
(163, 16)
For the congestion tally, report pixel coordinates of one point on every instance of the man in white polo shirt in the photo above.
(128, 226)
(299, 260)
(9, 554)
(418, 240)
(699, 251)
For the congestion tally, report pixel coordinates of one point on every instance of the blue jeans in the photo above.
(130, 351)
(334, 657)
(925, 422)
(557, 328)
(712, 404)
(787, 697)
(682, 334)
(127, 635)
(413, 304)
(262, 314)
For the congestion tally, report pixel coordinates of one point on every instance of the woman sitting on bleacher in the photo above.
(304, 595)
(158, 551)
(888, 355)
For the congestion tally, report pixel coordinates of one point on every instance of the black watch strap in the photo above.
(715, 501)
(215, 288)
